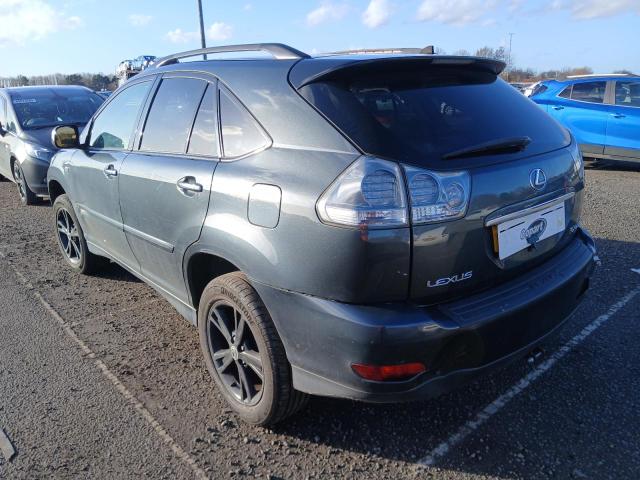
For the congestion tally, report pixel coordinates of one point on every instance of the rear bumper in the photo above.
(456, 341)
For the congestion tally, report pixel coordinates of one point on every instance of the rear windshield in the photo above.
(419, 117)
(39, 108)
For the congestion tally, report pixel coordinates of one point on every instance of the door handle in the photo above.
(188, 184)
(110, 171)
(558, 107)
(618, 115)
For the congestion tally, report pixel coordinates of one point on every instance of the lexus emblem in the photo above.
(538, 179)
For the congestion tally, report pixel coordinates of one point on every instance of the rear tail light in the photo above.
(437, 196)
(369, 193)
(381, 373)
(578, 162)
(372, 193)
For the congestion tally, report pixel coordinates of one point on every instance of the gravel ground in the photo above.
(577, 420)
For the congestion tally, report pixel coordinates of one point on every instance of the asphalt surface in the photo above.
(109, 382)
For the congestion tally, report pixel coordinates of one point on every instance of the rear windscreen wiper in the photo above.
(495, 147)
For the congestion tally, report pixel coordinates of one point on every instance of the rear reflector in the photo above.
(380, 373)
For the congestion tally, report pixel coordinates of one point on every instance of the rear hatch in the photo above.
(452, 114)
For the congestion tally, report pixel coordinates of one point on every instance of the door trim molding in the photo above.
(149, 238)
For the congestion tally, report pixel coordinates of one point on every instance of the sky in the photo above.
(68, 36)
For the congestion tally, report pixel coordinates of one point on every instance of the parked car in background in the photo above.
(104, 93)
(602, 112)
(375, 227)
(27, 117)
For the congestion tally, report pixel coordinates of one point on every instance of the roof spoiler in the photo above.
(302, 75)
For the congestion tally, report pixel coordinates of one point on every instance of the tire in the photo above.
(70, 238)
(27, 197)
(228, 302)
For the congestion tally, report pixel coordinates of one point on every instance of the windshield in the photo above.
(38, 108)
(422, 117)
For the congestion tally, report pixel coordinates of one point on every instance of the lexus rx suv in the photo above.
(379, 227)
(601, 111)
(27, 118)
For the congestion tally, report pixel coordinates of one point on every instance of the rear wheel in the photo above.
(244, 353)
(27, 197)
(71, 238)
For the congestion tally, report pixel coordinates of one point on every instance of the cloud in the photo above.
(219, 31)
(248, 7)
(454, 12)
(590, 9)
(377, 13)
(327, 11)
(22, 21)
(139, 20)
(180, 36)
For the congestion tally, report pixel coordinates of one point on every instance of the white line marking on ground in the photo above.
(6, 447)
(494, 407)
(124, 391)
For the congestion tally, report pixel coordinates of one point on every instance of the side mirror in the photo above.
(3, 131)
(65, 137)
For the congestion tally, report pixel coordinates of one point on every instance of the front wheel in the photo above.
(27, 197)
(244, 353)
(71, 240)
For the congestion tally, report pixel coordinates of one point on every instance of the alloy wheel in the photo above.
(69, 236)
(235, 353)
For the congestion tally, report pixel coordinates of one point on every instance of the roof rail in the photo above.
(278, 50)
(428, 50)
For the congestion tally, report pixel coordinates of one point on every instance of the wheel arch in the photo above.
(201, 268)
(55, 190)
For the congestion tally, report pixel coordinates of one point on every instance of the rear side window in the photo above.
(420, 116)
(592, 92)
(628, 94)
(171, 115)
(240, 132)
(113, 127)
(204, 136)
(566, 93)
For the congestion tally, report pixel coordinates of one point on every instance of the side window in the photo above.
(566, 93)
(171, 115)
(628, 94)
(592, 92)
(240, 132)
(113, 127)
(204, 136)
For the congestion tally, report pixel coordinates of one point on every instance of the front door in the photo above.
(623, 128)
(165, 183)
(94, 173)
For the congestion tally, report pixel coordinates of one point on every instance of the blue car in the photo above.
(602, 112)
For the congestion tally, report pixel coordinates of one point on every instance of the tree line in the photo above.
(94, 81)
(513, 73)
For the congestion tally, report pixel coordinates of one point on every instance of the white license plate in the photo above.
(523, 232)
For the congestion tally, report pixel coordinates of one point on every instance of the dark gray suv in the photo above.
(374, 227)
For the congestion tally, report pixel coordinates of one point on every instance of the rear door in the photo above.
(623, 128)
(581, 108)
(93, 172)
(165, 183)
